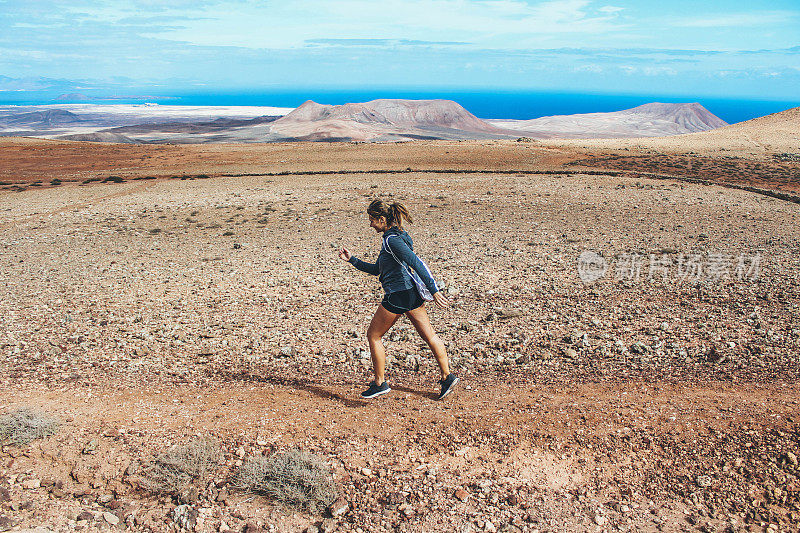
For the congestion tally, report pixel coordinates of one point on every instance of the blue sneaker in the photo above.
(376, 390)
(448, 384)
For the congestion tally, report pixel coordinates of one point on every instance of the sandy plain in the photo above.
(209, 301)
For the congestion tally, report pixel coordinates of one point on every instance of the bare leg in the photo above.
(419, 317)
(381, 322)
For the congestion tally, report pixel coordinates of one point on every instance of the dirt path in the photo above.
(576, 457)
(237, 410)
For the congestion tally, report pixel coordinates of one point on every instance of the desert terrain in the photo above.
(158, 294)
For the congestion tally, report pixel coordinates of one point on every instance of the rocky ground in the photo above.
(781, 173)
(659, 394)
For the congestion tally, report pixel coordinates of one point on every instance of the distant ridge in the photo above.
(71, 97)
(384, 119)
(50, 117)
(770, 135)
(788, 119)
(100, 136)
(692, 116)
(655, 119)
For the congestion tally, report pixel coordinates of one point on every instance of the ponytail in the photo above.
(395, 213)
(399, 212)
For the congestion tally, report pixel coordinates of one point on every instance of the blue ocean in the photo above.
(482, 103)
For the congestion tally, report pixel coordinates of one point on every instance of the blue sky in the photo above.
(718, 48)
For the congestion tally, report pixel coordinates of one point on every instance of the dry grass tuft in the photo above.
(294, 477)
(26, 425)
(173, 471)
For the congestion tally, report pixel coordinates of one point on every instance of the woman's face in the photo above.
(379, 224)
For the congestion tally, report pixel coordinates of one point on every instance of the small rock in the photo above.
(31, 484)
(510, 313)
(189, 495)
(81, 491)
(329, 525)
(132, 469)
(488, 526)
(704, 481)
(570, 353)
(523, 359)
(583, 341)
(461, 494)
(91, 447)
(339, 507)
(85, 515)
(111, 518)
(792, 458)
(600, 520)
(5, 495)
(311, 529)
(25, 505)
(396, 498)
(638, 348)
(6, 523)
(714, 355)
(287, 351)
(184, 516)
(366, 472)
(252, 528)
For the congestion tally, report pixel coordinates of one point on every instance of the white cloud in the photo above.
(488, 23)
(659, 71)
(748, 19)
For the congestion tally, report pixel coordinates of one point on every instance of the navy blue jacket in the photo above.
(392, 275)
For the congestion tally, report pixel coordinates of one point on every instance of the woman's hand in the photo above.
(344, 254)
(440, 300)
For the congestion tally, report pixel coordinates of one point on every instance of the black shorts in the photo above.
(402, 301)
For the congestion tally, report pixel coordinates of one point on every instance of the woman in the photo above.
(402, 295)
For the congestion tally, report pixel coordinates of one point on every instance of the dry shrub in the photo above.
(26, 425)
(176, 469)
(294, 477)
